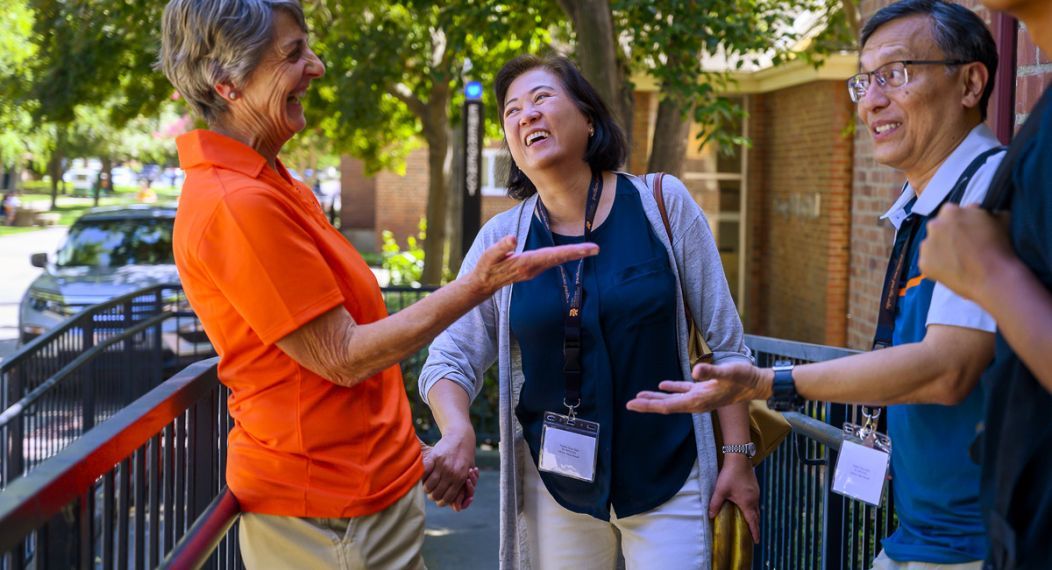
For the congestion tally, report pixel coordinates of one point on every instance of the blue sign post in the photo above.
(471, 217)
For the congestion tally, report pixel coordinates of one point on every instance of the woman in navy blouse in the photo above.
(577, 342)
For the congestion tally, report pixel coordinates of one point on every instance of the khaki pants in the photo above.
(882, 562)
(388, 540)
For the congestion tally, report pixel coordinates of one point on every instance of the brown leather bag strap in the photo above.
(660, 198)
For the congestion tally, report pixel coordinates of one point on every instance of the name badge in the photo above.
(862, 466)
(568, 446)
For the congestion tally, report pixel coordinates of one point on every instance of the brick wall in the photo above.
(358, 192)
(493, 205)
(799, 180)
(757, 230)
(1034, 72)
(876, 187)
(399, 201)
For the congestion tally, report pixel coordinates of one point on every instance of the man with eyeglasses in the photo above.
(926, 74)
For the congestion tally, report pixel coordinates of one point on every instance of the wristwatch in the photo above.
(784, 397)
(746, 449)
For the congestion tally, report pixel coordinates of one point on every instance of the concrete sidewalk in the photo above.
(16, 274)
(468, 539)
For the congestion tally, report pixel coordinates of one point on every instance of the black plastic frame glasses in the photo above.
(891, 75)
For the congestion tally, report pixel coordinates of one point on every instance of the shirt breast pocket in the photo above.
(643, 293)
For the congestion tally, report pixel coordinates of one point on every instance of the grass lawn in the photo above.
(70, 208)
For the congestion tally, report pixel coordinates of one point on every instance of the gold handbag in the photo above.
(731, 540)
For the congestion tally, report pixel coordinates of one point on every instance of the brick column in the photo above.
(358, 205)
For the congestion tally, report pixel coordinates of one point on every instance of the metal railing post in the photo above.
(202, 454)
(833, 504)
(127, 390)
(88, 392)
(15, 431)
(158, 347)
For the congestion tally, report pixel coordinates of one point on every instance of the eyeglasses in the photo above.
(891, 75)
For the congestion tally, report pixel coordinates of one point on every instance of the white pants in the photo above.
(388, 540)
(882, 562)
(670, 536)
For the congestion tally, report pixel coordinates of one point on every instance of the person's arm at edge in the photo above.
(941, 369)
(1022, 307)
(970, 252)
(335, 347)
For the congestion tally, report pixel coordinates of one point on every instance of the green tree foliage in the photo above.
(78, 73)
(396, 71)
(675, 40)
(17, 135)
(84, 80)
(96, 53)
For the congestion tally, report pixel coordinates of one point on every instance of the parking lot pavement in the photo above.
(17, 274)
(469, 539)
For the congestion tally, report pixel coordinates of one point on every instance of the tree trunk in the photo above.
(851, 15)
(16, 175)
(668, 150)
(597, 56)
(55, 170)
(436, 131)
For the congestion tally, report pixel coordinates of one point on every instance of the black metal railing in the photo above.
(129, 491)
(63, 383)
(144, 488)
(125, 493)
(803, 523)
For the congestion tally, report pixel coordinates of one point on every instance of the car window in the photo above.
(114, 243)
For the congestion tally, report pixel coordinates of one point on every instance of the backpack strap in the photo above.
(957, 193)
(999, 196)
(660, 198)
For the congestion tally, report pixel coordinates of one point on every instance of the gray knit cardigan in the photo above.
(483, 336)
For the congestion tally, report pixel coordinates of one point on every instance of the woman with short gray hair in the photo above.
(322, 458)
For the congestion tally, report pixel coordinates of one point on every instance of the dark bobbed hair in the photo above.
(958, 32)
(606, 149)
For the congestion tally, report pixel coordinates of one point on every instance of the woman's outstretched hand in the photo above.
(500, 265)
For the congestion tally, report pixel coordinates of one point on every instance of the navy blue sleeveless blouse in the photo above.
(628, 345)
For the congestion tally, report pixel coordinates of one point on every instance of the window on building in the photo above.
(716, 179)
(495, 163)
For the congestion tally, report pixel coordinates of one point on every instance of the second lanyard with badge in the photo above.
(569, 444)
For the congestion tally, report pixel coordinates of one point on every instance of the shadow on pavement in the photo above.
(468, 539)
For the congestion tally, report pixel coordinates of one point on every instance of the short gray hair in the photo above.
(205, 42)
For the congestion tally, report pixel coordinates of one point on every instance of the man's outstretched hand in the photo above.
(717, 386)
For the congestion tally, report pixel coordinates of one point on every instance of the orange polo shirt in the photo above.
(258, 260)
